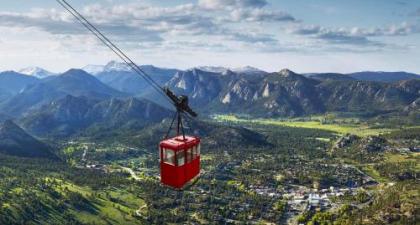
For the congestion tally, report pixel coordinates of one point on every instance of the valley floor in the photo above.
(306, 173)
(339, 126)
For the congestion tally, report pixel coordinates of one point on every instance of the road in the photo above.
(131, 172)
(84, 155)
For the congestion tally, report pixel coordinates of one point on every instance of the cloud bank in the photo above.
(242, 27)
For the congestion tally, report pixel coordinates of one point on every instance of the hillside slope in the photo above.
(71, 114)
(16, 142)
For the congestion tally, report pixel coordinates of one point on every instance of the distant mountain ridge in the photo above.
(384, 76)
(122, 78)
(73, 82)
(78, 83)
(330, 76)
(114, 66)
(71, 114)
(387, 77)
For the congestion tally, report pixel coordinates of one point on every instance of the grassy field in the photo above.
(398, 158)
(342, 128)
(112, 206)
(371, 171)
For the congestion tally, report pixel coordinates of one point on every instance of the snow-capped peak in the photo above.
(94, 69)
(213, 69)
(109, 67)
(117, 66)
(226, 70)
(36, 72)
(247, 69)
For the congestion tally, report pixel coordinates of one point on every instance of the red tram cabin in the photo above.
(179, 160)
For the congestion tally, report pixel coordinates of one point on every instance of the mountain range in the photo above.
(286, 93)
(63, 104)
(114, 98)
(69, 115)
(39, 92)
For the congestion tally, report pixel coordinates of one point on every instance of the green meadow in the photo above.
(344, 127)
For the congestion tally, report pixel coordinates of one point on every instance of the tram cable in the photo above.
(112, 46)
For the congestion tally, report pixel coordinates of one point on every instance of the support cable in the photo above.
(112, 47)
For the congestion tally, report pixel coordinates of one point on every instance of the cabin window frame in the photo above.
(169, 160)
(189, 155)
(160, 153)
(194, 152)
(180, 155)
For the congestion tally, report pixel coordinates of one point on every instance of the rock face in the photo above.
(202, 87)
(16, 142)
(289, 94)
(414, 106)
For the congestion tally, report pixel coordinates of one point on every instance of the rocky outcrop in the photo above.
(346, 141)
(374, 144)
(287, 93)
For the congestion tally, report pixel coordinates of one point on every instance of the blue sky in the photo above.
(303, 35)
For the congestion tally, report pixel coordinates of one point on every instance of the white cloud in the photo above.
(134, 23)
(354, 35)
(260, 15)
(210, 27)
(223, 4)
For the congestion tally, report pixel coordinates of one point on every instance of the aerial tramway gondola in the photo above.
(179, 155)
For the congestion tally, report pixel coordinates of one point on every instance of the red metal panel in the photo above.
(192, 169)
(195, 168)
(172, 175)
